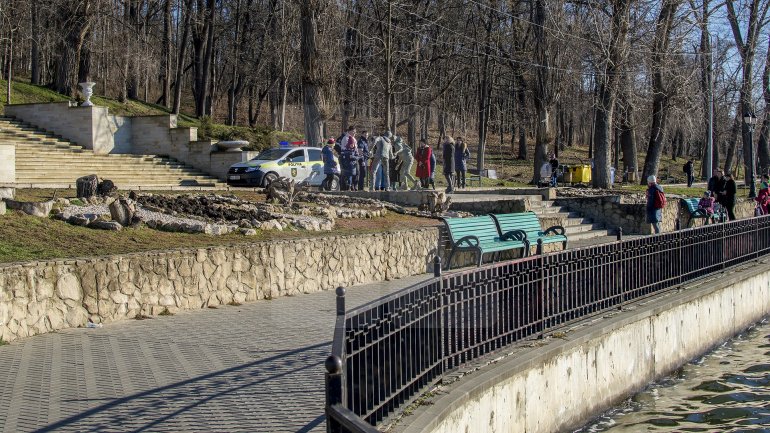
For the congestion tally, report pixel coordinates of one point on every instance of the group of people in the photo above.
(721, 189)
(456, 156)
(389, 161)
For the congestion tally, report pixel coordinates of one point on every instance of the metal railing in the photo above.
(385, 352)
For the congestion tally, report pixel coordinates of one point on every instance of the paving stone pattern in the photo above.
(257, 367)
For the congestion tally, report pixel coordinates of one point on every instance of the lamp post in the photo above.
(750, 119)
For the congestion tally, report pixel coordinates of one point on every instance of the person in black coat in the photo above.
(728, 197)
(716, 185)
(448, 153)
(688, 170)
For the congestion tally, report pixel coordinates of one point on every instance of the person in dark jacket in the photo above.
(728, 197)
(688, 170)
(330, 164)
(432, 180)
(348, 166)
(654, 214)
(448, 152)
(716, 184)
(461, 156)
(554, 169)
(363, 153)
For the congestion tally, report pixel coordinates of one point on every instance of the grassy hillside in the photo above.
(259, 137)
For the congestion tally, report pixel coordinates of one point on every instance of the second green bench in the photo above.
(528, 223)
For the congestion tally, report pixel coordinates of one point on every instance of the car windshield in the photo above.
(270, 154)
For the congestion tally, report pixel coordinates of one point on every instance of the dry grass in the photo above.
(24, 238)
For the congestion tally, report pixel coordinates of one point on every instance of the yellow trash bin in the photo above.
(582, 174)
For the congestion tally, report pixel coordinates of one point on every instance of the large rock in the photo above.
(122, 210)
(105, 225)
(68, 287)
(34, 208)
(6, 192)
(106, 188)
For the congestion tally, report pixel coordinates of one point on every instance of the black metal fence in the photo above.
(384, 353)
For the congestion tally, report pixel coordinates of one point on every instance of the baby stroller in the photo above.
(720, 213)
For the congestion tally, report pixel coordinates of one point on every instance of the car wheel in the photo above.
(331, 185)
(269, 178)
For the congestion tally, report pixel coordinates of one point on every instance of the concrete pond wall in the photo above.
(45, 296)
(559, 384)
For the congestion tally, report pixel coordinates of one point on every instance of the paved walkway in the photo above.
(252, 368)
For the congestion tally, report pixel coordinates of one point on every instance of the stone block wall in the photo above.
(39, 297)
(151, 135)
(491, 206)
(613, 213)
(7, 163)
(65, 119)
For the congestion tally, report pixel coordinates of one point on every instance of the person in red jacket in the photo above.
(423, 163)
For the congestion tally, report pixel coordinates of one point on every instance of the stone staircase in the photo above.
(576, 226)
(44, 159)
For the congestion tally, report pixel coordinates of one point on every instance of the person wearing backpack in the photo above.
(656, 201)
(687, 168)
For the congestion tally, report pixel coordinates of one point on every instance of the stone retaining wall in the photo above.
(613, 213)
(39, 297)
(558, 384)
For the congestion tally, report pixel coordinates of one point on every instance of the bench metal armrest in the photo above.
(469, 241)
(514, 235)
(557, 230)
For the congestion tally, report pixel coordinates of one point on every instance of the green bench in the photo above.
(481, 235)
(697, 213)
(528, 223)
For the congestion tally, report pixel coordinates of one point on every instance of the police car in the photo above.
(301, 163)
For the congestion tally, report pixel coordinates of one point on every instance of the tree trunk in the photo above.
(763, 148)
(35, 54)
(165, 70)
(181, 56)
(607, 91)
(311, 62)
(732, 142)
(660, 92)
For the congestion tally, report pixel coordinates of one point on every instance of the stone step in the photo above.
(36, 163)
(114, 164)
(581, 228)
(124, 181)
(583, 236)
(78, 154)
(44, 158)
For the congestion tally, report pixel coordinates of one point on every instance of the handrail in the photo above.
(386, 352)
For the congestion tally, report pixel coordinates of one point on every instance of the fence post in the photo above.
(340, 301)
(541, 288)
(437, 266)
(619, 278)
(333, 378)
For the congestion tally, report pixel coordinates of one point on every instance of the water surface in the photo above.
(725, 391)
